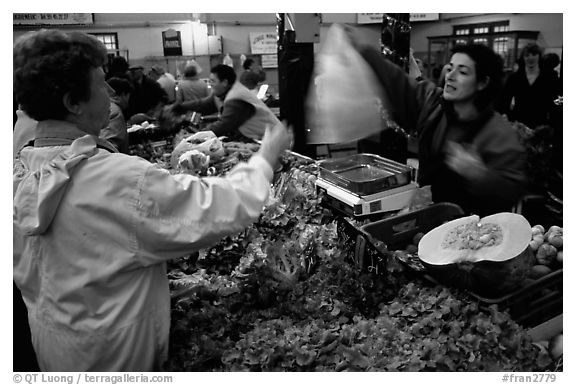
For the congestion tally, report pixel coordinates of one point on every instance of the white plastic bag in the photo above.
(204, 141)
(345, 102)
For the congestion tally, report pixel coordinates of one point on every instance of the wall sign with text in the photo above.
(52, 18)
(263, 42)
(372, 18)
(172, 43)
(270, 60)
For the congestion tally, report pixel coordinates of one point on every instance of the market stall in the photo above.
(310, 287)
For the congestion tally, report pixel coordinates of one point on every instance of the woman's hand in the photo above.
(465, 161)
(276, 140)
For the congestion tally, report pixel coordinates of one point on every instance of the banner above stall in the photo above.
(373, 18)
(52, 18)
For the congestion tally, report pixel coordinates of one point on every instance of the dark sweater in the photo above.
(232, 114)
(419, 106)
(533, 103)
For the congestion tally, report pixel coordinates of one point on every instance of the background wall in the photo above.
(141, 33)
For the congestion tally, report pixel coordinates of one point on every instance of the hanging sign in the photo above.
(172, 43)
(263, 43)
(270, 60)
(374, 18)
(52, 18)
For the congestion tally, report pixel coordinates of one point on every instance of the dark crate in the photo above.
(373, 242)
(397, 232)
(364, 254)
(534, 303)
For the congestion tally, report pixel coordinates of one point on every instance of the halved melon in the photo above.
(489, 256)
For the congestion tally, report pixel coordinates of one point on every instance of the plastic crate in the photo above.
(398, 231)
(374, 241)
(367, 255)
(534, 303)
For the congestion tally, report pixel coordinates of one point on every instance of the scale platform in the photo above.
(355, 205)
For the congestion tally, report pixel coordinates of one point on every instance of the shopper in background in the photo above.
(190, 88)
(116, 131)
(118, 68)
(550, 62)
(241, 113)
(529, 93)
(468, 153)
(97, 226)
(252, 74)
(166, 81)
(147, 97)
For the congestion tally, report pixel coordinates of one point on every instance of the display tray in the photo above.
(365, 174)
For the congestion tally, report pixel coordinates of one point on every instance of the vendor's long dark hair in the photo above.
(488, 65)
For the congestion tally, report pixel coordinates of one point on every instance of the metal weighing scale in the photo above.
(365, 184)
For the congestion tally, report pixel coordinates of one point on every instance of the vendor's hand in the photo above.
(413, 69)
(465, 161)
(276, 140)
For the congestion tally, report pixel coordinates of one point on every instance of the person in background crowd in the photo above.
(191, 88)
(468, 153)
(118, 68)
(98, 226)
(252, 75)
(529, 93)
(240, 111)
(116, 131)
(550, 62)
(166, 81)
(147, 98)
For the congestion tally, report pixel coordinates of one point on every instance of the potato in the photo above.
(553, 230)
(555, 346)
(556, 240)
(546, 254)
(539, 271)
(538, 229)
(536, 242)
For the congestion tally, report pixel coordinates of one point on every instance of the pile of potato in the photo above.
(547, 247)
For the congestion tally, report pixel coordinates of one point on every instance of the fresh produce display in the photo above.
(283, 295)
(489, 256)
(547, 245)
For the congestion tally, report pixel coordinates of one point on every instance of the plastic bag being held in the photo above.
(204, 141)
(345, 102)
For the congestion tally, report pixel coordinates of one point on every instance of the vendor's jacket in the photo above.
(419, 107)
(255, 126)
(93, 230)
(239, 112)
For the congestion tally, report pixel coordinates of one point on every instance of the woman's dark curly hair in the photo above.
(48, 64)
(488, 65)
